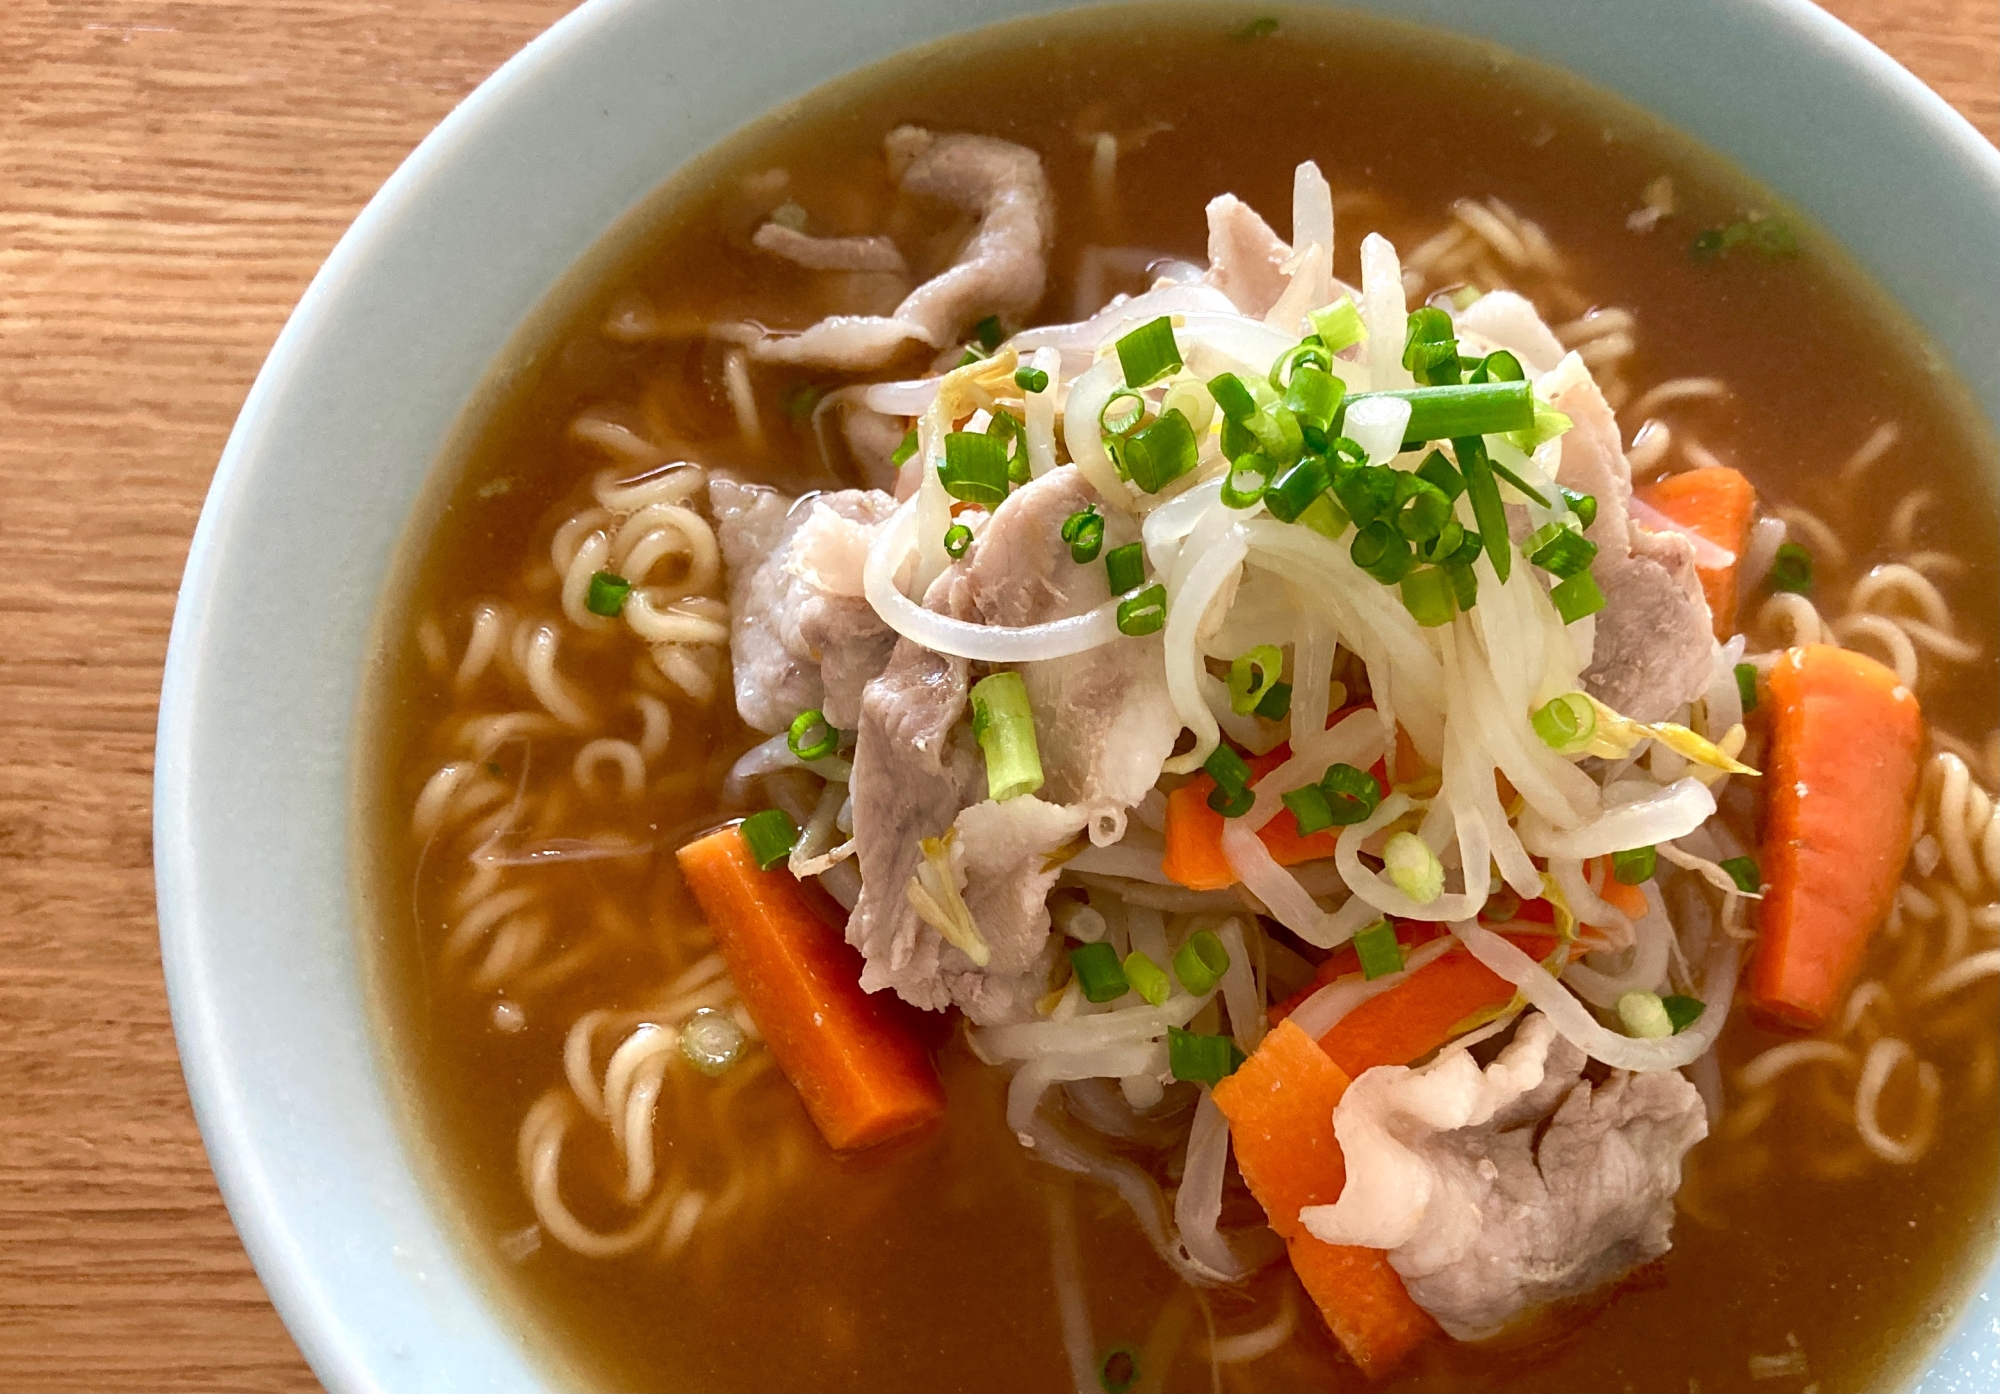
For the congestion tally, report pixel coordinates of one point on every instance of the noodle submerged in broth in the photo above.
(1220, 693)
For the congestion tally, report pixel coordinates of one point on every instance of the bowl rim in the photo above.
(185, 854)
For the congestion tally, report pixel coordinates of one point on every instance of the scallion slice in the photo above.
(1309, 809)
(1277, 703)
(1161, 453)
(1567, 723)
(1305, 353)
(1427, 595)
(1501, 366)
(1422, 509)
(1122, 413)
(905, 448)
(1004, 726)
(1430, 351)
(1325, 517)
(1149, 352)
(975, 467)
(1365, 491)
(1584, 506)
(1791, 569)
(1235, 399)
(1231, 796)
(1339, 325)
(1464, 581)
(1381, 551)
(1294, 488)
(1201, 962)
(1098, 972)
(1278, 433)
(1249, 476)
(1472, 409)
(1577, 597)
(1560, 551)
(1084, 532)
(1351, 793)
(1682, 1011)
(1519, 483)
(1118, 1371)
(1378, 950)
(1125, 567)
(1144, 612)
(1413, 867)
(1031, 380)
(1634, 865)
(1252, 675)
(1487, 509)
(989, 333)
(769, 836)
(1201, 1059)
(607, 594)
(1746, 686)
(957, 538)
(1744, 872)
(811, 736)
(1148, 979)
(711, 1041)
(1441, 474)
(1314, 395)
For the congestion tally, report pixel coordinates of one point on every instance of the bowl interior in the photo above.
(258, 902)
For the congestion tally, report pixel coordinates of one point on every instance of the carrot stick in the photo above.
(1629, 899)
(1716, 502)
(1194, 854)
(1417, 1016)
(1845, 737)
(862, 1071)
(1280, 1106)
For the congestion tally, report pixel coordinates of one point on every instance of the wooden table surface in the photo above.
(171, 175)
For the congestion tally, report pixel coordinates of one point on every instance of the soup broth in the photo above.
(754, 1257)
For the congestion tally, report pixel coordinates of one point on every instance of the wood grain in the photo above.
(170, 177)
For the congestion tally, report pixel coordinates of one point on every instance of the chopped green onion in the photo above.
(1119, 1370)
(607, 594)
(1430, 351)
(1365, 491)
(1464, 581)
(1560, 551)
(1791, 570)
(1084, 532)
(1144, 612)
(1255, 470)
(1378, 950)
(1238, 440)
(1771, 238)
(1278, 434)
(1253, 675)
(1235, 400)
(957, 538)
(769, 836)
(1098, 972)
(1125, 567)
(1746, 686)
(1339, 325)
(1474, 409)
(1644, 1015)
(1427, 595)
(1305, 353)
(1161, 453)
(1004, 725)
(1634, 865)
(1325, 517)
(1451, 539)
(1744, 872)
(1201, 1059)
(1314, 394)
(1294, 488)
(1683, 1012)
(1277, 703)
(1414, 867)
(1422, 509)
(1577, 597)
(1201, 962)
(1309, 809)
(975, 467)
(1584, 506)
(711, 1041)
(1031, 379)
(973, 354)
(1381, 551)
(802, 741)
(1260, 28)
(798, 403)
(1547, 425)
(1487, 509)
(1520, 483)
(1351, 794)
(1501, 366)
(1231, 796)
(1567, 723)
(1148, 979)
(1441, 474)
(1111, 418)
(989, 333)
(1149, 352)
(904, 448)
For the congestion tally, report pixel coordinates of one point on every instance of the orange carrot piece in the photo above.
(1194, 854)
(1280, 1106)
(1845, 739)
(1717, 503)
(1364, 1302)
(1630, 899)
(1416, 1017)
(1344, 960)
(862, 1071)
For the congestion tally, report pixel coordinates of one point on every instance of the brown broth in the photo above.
(926, 1264)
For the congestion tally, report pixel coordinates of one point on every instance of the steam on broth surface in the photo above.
(544, 961)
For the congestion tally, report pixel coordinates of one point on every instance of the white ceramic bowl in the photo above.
(255, 776)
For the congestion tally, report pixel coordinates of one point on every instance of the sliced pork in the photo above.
(1503, 1190)
(1245, 256)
